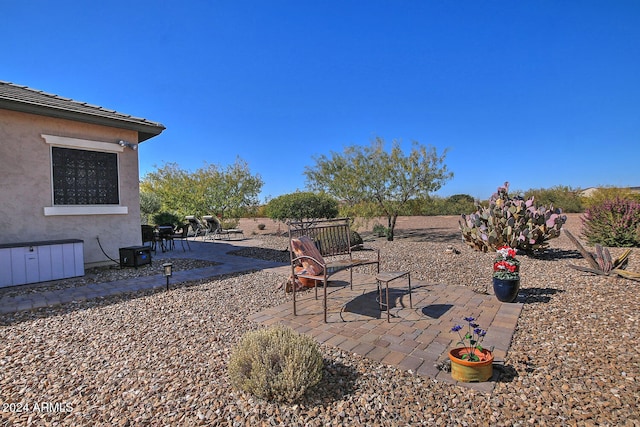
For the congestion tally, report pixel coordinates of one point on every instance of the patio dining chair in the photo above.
(181, 232)
(148, 236)
(164, 234)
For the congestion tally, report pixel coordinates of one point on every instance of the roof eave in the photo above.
(145, 131)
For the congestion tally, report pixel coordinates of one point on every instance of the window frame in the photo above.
(87, 145)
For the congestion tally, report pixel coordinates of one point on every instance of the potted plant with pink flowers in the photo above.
(506, 274)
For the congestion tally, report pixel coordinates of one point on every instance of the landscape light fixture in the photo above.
(134, 147)
(168, 271)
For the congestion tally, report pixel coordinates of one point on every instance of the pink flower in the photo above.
(506, 252)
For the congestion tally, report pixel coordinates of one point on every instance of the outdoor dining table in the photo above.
(164, 235)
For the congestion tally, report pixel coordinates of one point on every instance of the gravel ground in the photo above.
(573, 359)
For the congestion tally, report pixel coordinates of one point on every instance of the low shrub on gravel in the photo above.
(613, 223)
(276, 364)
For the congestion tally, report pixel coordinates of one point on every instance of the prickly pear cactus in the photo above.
(510, 221)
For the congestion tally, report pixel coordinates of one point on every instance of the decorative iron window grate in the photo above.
(82, 177)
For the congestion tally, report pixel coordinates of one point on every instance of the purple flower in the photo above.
(472, 339)
(480, 332)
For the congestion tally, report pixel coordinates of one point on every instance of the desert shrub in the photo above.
(380, 230)
(229, 223)
(515, 222)
(613, 223)
(607, 194)
(566, 198)
(356, 239)
(166, 218)
(276, 364)
(259, 212)
(458, 204)
(436, 205)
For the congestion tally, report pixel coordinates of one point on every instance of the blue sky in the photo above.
(538, 93)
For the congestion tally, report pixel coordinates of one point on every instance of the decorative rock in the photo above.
(157, 358)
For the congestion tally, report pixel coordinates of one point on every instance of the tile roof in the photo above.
(27, 100)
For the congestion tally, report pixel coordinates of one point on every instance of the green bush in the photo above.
(356, 239)
(458, 204)
(613, 223)
(302, 205)
(166, 218)
(276, 364)
(380, 230)
(229, 223)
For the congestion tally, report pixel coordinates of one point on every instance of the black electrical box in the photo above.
(135, 256)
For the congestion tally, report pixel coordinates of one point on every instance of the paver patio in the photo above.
(415, 339)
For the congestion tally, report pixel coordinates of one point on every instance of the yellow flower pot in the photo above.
(464, 370)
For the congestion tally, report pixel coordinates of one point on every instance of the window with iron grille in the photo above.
(82, 177)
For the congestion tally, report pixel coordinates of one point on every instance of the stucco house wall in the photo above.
(27, 212)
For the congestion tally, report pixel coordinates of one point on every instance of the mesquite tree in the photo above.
(210, 190)
(371, 175)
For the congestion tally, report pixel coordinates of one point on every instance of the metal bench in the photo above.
(333, 253)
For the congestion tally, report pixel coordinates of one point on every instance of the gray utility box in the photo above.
(33, 262)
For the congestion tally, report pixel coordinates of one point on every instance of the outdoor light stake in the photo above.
(168, 271)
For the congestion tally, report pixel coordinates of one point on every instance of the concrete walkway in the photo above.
(216, 251)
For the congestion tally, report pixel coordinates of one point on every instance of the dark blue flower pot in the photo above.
(506, 290)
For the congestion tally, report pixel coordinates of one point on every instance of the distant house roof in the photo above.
(24, 99)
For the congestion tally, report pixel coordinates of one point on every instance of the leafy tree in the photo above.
(300, 206)
(387, 180)
(228, 192)
(209, 190)
(175, 188)
(150, 204)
